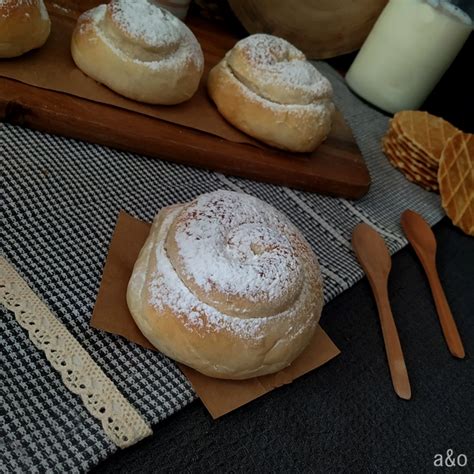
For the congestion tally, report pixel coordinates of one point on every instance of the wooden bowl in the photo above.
(320, 28)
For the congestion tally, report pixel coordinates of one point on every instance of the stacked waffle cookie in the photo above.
(434, 154)
(414, 144)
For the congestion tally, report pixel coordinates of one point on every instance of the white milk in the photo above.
(409, 49)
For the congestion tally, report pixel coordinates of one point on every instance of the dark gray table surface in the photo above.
(345, 417)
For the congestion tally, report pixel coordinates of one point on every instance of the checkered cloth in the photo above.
(62, 200)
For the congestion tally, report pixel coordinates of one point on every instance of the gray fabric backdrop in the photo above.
(62, 198)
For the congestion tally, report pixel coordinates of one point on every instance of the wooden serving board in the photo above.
(336, 168)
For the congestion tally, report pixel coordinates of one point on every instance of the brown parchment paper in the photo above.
(52, 67)
(111, 314)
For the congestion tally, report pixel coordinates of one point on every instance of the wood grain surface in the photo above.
(373, 256)
(335, 168)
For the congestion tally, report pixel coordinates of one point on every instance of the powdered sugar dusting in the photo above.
(7, 6)
(265, 50)
(321, 107)
(175, 44)
(301, 74)
(275, 69)
(167, 290)
(147, 21)
(238, 245)
(15, 2)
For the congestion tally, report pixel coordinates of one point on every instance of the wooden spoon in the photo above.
(422, 239)
(374, 258)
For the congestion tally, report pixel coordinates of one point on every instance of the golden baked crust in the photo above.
(265, 87)
(24, 25)
(456, 181)
(139, 50)
(245, 325)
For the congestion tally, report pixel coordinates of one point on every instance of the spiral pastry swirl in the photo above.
(277, 71)
(227, 285)
(138, 50)
(266, 88)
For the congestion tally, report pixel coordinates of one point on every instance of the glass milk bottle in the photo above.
(410, 47)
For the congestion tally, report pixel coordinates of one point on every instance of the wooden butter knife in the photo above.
(422, 239)
(374, 258)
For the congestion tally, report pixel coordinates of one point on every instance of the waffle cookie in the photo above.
(456, 180)
(414, 143)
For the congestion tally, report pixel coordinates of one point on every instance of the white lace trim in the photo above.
(80, 374)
